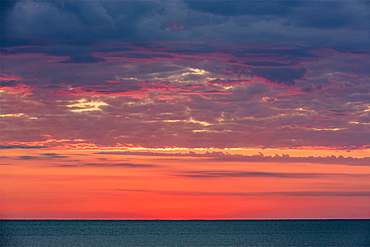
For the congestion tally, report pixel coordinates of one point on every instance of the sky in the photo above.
(185, 109)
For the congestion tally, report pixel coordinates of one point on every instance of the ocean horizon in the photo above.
(199, 232)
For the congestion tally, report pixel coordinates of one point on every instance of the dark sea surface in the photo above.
(185, 233)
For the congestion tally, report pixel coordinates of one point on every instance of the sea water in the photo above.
(185, 233)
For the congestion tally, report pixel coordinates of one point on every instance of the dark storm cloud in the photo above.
(90, 22)
(73, 22)
(6, 8)
(331, 14)
(246, 7)
(317, 14)
(281, 75)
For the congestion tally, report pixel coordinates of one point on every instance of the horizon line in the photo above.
(145, 219)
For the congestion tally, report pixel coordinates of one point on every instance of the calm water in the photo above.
(185, 233)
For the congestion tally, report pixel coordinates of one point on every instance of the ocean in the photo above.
(185, 233)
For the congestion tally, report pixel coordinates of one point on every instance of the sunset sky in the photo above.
(185, 109)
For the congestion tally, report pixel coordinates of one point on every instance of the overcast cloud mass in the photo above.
(186, 73)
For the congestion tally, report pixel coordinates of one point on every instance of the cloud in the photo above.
(51, 154)
(90, 22)
(235, 8)
(215, 174)
(55, 156)
(127, 165)
(241, 73)
(21, 147)
(220, 156)
(46, 156)
(331, 14)
(69, 22)
(83, 59)
(285, 76)
(291, 52)
(268, 193)
(130, 165)
(27, 157)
